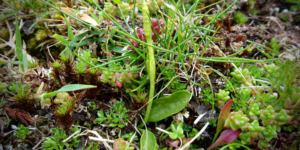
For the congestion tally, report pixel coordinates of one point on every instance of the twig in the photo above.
(194, 138)
(38, 143)
(199, 118)
(71, 136)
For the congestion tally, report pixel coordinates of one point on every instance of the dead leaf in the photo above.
(21, 116)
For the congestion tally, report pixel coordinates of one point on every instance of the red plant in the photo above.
(226, 137)
(222, 117)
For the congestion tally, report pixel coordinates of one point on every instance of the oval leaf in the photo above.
(226, 137)
(148, 140)
(225, 111)
(69, 87)
(168, 106)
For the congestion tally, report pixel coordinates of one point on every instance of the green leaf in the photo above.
(95, 17)
(49, 143)
(70, 32)
(78, 37)
(61, 39)
(148, 140)
(18, 42)
(173, 135)
(14, 62)
(69, 87)
(168, 106)
(117, 1)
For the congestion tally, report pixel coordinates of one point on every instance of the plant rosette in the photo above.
(237, 120)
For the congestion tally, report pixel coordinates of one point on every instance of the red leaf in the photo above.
(222, 117)
(226, 137)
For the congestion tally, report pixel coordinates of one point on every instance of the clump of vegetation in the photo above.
(240, 18)
(117, 117)
(266, 115)
(22, 133)
(120, 67)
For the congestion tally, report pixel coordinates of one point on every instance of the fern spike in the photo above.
(146, 20)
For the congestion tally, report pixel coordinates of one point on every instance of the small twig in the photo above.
(162, 130)
(194, 138)
(38, 143)
(99, 138)
(71, 136)
(199, 118)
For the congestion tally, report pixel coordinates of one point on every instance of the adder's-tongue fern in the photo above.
(150, 58)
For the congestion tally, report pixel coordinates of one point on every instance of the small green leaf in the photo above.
(18, 42)
(69, 87)
(173, 135)
(61, 39)
(14, 62)
(117, 1)
(148, 140)
(70, 32)
(168, 106)
(95, 17)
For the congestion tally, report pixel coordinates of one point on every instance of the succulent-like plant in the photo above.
(254, 111)
(240, 75)
(237, 120)
(120, 144)
(245, 138)
(283, 118)
(255, 129)
(271, 68)
(222, 97)
(263, 144)
(125, 8)
(269, 133)
(268, 115)
(110, 9)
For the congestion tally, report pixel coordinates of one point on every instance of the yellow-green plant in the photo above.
(150, 57)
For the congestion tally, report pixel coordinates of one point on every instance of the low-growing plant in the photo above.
(117, 116)
(275, 46)
(22, 133)
(240, 18)
(128, 136)
(56, 141)
(295, 6)
(207, 96)
(92, 105)
(120, 144)
(177, 130)
(64, 113)
(91, 147)
(261, 114)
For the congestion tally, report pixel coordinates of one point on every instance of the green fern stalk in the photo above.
(151, 60)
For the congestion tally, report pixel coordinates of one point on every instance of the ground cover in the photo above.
(160, 74)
